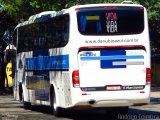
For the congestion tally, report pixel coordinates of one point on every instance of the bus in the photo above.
(86, 56)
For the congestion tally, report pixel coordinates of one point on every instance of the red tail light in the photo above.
(141, 8)
(110, 7)
(75, 78)
(77, 9)
(148, 75)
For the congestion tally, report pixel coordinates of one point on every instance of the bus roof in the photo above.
(38, 18)
(124, 3)
(49, 14)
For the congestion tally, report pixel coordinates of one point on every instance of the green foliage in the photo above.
(153, 8)
(22, 9)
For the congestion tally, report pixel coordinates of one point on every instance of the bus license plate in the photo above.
(113, 87)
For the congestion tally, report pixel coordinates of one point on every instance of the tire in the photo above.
(20, 93)
(26, 105)
(57, 111)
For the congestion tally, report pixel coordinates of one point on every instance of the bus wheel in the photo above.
(20, 93)
(57, 111)
(26, 105)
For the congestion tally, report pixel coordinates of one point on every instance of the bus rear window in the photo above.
(111, 21)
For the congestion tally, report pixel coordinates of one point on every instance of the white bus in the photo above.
(94, 56)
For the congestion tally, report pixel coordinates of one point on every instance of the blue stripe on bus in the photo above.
(115, 57)
(108, 57)
(47, 62)
(113, 54)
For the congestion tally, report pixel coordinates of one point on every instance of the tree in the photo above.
(153, 8)
(21, 9)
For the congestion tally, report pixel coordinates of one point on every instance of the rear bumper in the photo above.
(113, 103)
(112, 99)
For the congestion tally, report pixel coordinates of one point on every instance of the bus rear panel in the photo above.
(113, 57)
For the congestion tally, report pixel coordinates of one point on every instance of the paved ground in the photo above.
(155, 101)
(150, 111)
(13, 110)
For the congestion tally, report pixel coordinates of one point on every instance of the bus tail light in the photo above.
(142, 8)
(110, 7)
(75, 78)
(148, 75)
(77, 9)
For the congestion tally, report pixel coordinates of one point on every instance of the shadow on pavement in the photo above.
(39, 108)
(155, 100)
(98, 114)
(136, 114)
(155, 89)
(87, 115)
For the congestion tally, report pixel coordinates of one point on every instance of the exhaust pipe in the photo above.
(92, 102)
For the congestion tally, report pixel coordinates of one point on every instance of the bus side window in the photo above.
(20, 40)
(66, 30)
(41, 38)
(33, 43)
(15, 37)
(59, 31)
(62, 31)
(48, 35)
(27, 38)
